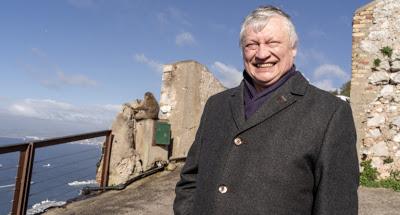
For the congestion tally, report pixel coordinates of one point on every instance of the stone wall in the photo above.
(186, 87)
(375, 92)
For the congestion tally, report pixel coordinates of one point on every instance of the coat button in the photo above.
(223, 189)
(238, 141)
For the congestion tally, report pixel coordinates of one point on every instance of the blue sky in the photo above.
(78, 60)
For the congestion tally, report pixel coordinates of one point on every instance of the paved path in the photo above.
(154, 195)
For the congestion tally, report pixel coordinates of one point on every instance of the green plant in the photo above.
(345, 89)
(387, 51)
(388, 160)
(390, 183)
(377, 62)
(395, 174)
(369, 175)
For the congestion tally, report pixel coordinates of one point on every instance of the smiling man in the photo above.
(275, 144)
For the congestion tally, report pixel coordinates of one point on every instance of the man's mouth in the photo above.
(264, 65)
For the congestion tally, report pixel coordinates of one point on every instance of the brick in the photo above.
(358, 26)
(369, 16)
(358, 75)
(360, 34)
(367, 12)
(366, 21)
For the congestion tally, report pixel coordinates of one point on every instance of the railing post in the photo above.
(22, 183)
(106, 160)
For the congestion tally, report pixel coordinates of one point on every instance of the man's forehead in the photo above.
(275, 25)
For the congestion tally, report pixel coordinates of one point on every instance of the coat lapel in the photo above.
(283, 97)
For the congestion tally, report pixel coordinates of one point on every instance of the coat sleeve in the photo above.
(336, 169)
(186, 187)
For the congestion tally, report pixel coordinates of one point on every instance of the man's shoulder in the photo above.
(324, 98)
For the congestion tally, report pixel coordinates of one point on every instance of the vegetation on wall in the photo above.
(369, 177)
(387, 54)
(344, 89)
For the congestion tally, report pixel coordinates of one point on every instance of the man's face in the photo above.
(268, 54)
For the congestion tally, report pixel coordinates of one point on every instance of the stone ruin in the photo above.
(186, 87)
(375, 84)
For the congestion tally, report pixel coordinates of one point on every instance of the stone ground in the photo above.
(154, 195)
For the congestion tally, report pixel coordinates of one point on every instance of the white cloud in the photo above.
(326, 75)
(173, 16)
(75, 79)
(185, 38)
(330, 70)
(229, 75)
(55, 110)
(325, 84)
(63, 79)
(156, 66)
(307, 56)
(50, 75)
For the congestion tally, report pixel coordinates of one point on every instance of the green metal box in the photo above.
(163, 133)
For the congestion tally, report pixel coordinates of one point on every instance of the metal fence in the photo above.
(29, 181)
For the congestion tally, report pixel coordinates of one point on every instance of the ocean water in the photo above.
(59, 172)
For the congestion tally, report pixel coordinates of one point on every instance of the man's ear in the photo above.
(294, 52)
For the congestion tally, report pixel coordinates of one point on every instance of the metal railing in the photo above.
(26, 159)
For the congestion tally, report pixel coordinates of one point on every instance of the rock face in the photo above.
(133, 150)
(124, 162)
(186, 87)
(375, 90)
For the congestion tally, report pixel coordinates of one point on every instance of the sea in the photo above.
(59, 172)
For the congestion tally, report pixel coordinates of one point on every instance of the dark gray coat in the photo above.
(297, 156)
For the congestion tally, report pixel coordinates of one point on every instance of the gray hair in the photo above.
(259, 18)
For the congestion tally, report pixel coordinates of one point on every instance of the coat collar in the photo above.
(283, 97)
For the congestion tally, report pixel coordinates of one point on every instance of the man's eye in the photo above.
(252, 46)
(273, 44)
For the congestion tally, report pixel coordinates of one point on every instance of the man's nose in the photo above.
(263, 51)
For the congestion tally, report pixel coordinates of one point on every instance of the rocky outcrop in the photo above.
(124, 161)
(133, 149)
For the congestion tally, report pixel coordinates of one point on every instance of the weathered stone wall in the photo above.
(186, 87)
(133, 149)
(375, 92)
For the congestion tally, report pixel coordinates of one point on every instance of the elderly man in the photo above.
(275, 144)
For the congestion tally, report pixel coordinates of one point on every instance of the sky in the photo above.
(77, 61)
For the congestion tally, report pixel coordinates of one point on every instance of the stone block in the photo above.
(376, 121)
(396, 121)
(375, 133)
(387, 91)
(395, 78)
(380, 149)
(359, 34)
(379, 78)
(396, 138)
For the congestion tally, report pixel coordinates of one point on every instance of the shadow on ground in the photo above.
(155, 194)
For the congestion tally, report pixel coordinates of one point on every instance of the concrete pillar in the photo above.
(186, 87)
(145, 147)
